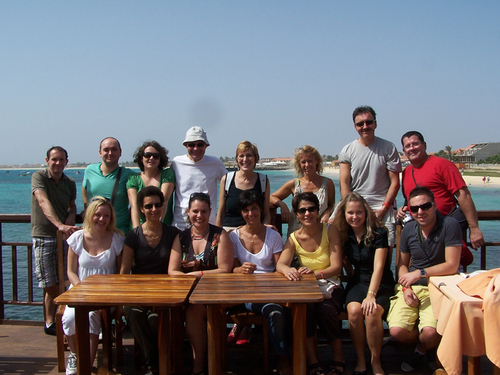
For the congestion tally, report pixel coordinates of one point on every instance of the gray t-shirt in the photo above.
(369, 168)
(431, 251)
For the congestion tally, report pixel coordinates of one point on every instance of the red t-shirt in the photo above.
(440, 176)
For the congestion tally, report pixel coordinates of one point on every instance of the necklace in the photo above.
(198, 237)
(148, 232)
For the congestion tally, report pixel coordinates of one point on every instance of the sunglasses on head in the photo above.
(423, 207)
(155, 155)
(303, 210)
(362, 123)
(149, 206)
(199, 145)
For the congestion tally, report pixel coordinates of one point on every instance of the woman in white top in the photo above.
(257, 249)
(95, 250)
(308, 165)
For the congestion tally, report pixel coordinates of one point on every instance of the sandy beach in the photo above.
(476, 181)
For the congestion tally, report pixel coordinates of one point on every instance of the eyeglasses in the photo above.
(149, 206)
(362, 123)
(155, 155)
(303, 210)
(423, 207)
(199, 145)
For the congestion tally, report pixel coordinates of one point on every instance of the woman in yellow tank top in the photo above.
(319, 251)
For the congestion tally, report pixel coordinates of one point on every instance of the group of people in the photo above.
(173, 227)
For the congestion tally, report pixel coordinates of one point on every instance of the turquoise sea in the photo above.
(15, 190)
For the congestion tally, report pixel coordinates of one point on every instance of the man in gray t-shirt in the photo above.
(370, 166)
(432, 244)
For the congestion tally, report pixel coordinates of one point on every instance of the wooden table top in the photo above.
(256, 288)
(131, 290)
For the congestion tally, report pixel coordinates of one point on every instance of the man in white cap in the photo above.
(194, 173)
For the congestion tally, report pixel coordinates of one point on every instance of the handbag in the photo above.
(327, 286)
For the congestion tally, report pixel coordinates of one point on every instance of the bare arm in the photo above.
(267, 196)
(167, 188)
(336, 264)
(126, 260)
(135, 214)
(225, 255)
(73, 267)
(409, 296)
(285, 259)
(390, 195)
(469, 209)
(331, 202)
(221, 213)
(174, 264)
(50, 213)
(369, 304)
(345, 179)
(84, 198)
(71, 219)
(277, 197)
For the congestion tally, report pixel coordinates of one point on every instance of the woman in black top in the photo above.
(365, 245)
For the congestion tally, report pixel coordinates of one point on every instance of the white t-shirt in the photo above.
(191, 177)
(264, 259)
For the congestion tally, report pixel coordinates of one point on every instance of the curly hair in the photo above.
(139, 153)
(299, 152)
(340, 221)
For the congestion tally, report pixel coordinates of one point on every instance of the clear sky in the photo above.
(280, 74)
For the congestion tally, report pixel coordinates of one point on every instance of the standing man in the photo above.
(53, 208)
(194, 173)
(370, 166)
(443, 178)
(109, 180)
(432, 244)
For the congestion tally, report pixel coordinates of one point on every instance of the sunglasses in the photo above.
(99, 199)
(303, 210)
(155, 155)
(199, 195)
(149, 206)
(362, 123)
(199, 145)
(423, 207)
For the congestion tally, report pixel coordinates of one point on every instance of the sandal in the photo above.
(333, 370)
(315, 369)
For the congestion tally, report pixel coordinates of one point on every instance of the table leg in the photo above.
(177, 335)
(214, 327)
(164, 342)
(107, 355)
(299, 338)
(496, 370)
(82, 340)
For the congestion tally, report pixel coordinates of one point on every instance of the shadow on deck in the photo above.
(27, 350)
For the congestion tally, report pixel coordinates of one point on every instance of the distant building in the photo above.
(476, 152)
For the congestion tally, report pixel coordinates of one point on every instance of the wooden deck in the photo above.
(27, 350)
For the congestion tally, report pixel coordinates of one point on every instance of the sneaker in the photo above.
(71, 365)
(50, 329)
(233, 335)
(245, 335)
(414, 362)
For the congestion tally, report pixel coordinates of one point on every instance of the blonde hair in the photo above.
(371, 221)
(95, 203)
(299, 152)
(246, 145)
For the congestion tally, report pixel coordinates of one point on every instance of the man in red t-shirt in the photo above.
(443, 178)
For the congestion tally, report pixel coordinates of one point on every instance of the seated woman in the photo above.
(95, 250)
(245, 179)
(257, 249)
(152, 160)
(308, 165)
(318, 249)
(365, 245)
(147, 251)
(201, 248)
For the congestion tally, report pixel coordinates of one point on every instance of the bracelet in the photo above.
(322, 274)
(404, 288)
(201, 273)
(386, 205)
(371, 292)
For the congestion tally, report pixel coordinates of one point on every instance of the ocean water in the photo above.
(15, 190)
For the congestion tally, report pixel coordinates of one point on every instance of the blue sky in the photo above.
(280, 74)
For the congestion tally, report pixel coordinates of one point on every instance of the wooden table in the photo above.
(99, 291)
(220, 290)
(460, 323)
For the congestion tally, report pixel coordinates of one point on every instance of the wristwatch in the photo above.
(423, 273)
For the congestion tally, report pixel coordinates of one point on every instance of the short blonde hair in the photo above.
(245, 145)
(95, 203)
(299, 152)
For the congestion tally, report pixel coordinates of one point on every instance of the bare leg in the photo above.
(311, 351)
(405, 336)
(358, 334)
(375, 337)
(94, 342)
(51, 292)
(196, 328)
(338, 354)
(429, 338)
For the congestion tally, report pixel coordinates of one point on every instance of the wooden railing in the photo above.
(16, 249)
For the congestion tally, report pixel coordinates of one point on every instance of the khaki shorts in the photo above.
(403, 316)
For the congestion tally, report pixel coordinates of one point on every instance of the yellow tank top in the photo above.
(318, 259)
